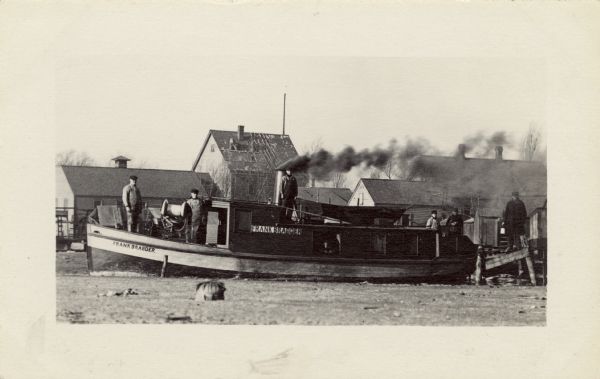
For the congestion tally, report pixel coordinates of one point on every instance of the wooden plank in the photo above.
(530, 269)
(502, 259)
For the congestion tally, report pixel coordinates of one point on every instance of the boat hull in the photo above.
(111, 250)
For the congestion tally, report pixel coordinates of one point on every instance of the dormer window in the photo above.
(212, 148)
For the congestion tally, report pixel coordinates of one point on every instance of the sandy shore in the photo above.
(81, 299)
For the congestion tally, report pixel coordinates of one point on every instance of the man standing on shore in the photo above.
(132, 200)
(515, 216)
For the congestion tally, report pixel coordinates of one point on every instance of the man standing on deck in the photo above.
(192, 232)
(289, 191)
(515, 216)
(432, 223)
(455, 223)
(132, 200)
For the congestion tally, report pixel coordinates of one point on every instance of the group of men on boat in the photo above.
(514, 218)
(196, 217)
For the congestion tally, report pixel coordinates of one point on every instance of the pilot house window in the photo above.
(243, 220)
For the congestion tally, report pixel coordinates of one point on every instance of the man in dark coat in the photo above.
(289, 192)
(515, 216)
(132, 200)
(455, 223)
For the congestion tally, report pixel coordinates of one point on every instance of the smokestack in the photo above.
(499, 153)
(462, 149)
(277, 187)
(240, 132)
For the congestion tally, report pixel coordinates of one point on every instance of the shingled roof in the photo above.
(105, 181)
(404, 192)
(496, 177)
(254, 152)
(327, 195)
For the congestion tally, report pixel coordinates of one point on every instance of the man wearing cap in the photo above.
(432, 222)
(455, 223)
(515, 216)
(289, 192)
(132, 200)
(194, 224)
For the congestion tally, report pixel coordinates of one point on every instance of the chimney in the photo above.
(240, 132)
(499, 153)
(121, 161)
(462, 149)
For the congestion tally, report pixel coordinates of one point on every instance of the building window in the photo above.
(65, 202)
(243, 220)
(251, 189)
(212, 147)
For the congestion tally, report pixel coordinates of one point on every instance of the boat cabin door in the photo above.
(217, 224)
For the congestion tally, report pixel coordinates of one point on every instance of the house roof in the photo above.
(254, 152)
(489, 177)
(390, 191)
(109, 181)
(327, 195)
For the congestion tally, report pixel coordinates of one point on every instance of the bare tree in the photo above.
(375, 174)
(530, 143)
(339, 180)
(74, 158)
(391, 169)
(221, 180)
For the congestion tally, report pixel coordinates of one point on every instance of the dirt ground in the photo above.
(82, 299)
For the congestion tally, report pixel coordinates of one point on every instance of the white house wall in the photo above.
(64, 196)
(361, 196)
(212, 162)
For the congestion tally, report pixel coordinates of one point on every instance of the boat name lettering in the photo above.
(276, 230)
(134, 246)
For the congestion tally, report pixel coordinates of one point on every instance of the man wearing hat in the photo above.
(132, 200)
(193, 230)
(432, 222)
(455, 223)
(289, 192)
(515, 216)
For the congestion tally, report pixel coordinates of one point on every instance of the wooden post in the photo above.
(163, 270)
(437, 244)
(479, 265)
(520, 270)
(90, 262)
(529, 262)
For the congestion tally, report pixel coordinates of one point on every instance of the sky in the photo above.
(159, 108)
(150, 82)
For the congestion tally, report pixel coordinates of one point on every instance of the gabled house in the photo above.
(418, 197)
(474, 183)
(242, 164)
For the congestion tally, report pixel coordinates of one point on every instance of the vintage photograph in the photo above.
(314, 190)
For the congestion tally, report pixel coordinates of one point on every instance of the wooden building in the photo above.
(419, 197)
(242, 164)
(80, 189)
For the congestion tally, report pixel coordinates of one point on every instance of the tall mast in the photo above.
(283, 114)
